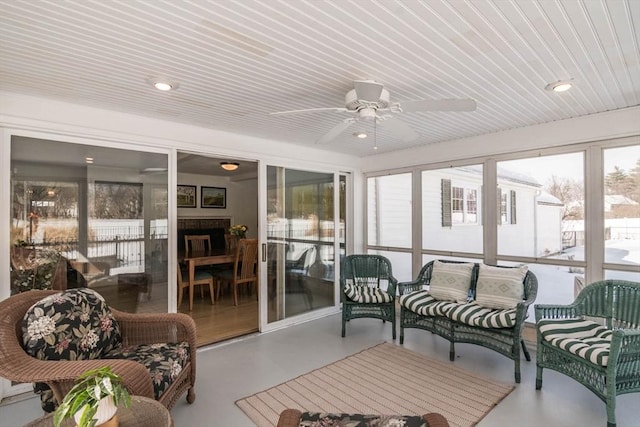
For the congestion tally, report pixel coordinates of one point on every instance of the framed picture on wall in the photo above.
(213, 197)
(186, 196)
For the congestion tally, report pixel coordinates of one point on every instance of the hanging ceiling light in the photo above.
(229, 166)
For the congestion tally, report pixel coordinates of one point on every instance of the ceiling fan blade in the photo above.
(399, 128)
(308, 110)
(438, 105)
(337, 130)
(368, 90)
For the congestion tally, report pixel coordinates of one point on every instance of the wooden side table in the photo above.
(143, 412)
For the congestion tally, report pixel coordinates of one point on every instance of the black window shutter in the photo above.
(446, 202)
(513, 207)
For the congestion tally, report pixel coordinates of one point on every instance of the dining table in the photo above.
(195, 259)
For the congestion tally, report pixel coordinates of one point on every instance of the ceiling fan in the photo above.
(369, 101)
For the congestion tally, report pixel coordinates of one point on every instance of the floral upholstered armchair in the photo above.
(49, 338)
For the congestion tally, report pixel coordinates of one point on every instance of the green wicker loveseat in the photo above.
(595, 340)
(459, 316)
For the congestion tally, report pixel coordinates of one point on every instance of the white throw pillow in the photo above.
(500, 287)
(450, 281)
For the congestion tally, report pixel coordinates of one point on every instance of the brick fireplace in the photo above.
(214, 227)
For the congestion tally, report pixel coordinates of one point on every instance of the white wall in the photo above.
(41, 114)
(596, 127)
(549, 225)
(519, 238)
(242, 200)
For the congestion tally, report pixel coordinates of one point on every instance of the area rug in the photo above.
(385, 379)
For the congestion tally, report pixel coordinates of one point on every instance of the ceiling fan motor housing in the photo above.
(352, 103)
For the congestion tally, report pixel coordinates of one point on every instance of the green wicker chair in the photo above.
(603, 355)
(361, 293)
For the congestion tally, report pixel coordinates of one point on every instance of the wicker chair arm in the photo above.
(550, 311)
(151, 328)
(625, 343)
(405, 288)
(61, 375)
(134, 375)
(393, 285)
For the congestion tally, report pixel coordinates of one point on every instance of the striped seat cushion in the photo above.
(584, 338)
(474, 314)
(365, 294)
(422, 303)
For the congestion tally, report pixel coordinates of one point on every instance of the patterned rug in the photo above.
(385, 379)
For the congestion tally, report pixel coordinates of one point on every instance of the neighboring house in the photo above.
(530, 221)
(619, 206)
(548, 213)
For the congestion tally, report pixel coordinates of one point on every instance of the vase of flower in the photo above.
(239, 231)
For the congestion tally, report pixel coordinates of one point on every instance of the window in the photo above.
(507, 207)
(464, 205)
(503, 208)
(540, 215)
(451, 204)
(622, 205)
(552, 201)
(112, 235)
(389, 213)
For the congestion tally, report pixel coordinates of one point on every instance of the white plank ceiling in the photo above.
(235, 62)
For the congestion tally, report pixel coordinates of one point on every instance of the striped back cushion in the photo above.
(365, 294)
(451, 281)
(584, 338)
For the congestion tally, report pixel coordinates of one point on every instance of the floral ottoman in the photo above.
(296, 418)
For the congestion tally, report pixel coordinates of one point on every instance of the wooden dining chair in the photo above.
(197, 243)
(230, 243)
(244, 268)
(200, 278)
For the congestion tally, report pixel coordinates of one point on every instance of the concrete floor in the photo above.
(230, 371)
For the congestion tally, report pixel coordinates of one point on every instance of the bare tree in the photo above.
(571, 194)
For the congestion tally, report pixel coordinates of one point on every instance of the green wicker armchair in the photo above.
(595, 340)
(368, 289)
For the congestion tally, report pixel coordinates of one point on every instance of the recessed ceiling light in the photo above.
(88, 159)
(162, 84)
(559, 86)
(229, 166)
(361, 135)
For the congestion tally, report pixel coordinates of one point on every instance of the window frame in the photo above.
(593, 264)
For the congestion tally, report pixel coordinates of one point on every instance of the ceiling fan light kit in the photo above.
(229, 166)
(360, 135)
(369, 99)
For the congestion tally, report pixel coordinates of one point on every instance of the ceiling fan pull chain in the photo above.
(375, 136)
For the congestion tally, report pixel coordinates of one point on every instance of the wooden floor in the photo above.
(223, 320)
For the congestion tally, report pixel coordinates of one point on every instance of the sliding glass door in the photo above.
(302, 230)
(87, 216)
